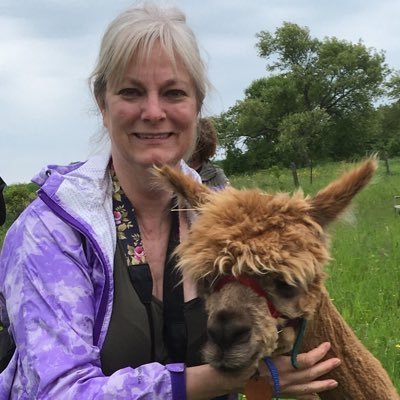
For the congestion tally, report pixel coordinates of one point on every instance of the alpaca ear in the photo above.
(193, 193)
(330, 202)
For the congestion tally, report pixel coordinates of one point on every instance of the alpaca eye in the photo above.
(285, 290)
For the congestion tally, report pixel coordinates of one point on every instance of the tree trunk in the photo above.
(294, 174)
(386, 159)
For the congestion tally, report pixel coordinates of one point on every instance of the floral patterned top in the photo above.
(127, 227)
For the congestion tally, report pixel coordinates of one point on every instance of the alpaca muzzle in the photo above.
(228, 330)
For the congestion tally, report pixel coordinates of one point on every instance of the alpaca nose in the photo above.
(228, 328)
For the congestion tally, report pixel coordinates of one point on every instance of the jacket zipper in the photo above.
(60, 212)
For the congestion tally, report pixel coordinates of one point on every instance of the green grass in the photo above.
(364, 275)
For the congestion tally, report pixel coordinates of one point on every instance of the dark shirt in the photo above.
(128, 339)
(213, 176)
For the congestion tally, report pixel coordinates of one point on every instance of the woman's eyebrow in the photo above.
(168, 82)
(131, 81)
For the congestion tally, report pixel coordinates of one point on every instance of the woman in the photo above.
(84, 268)
(206, 146)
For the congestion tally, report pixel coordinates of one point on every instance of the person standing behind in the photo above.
(3, 211)
(206, 147)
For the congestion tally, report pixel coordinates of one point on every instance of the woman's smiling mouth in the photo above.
(153, 136)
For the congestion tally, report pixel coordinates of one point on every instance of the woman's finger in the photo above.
(304, 360)
(307, 360)
(312, 396)
(309, 389)
(309, 374)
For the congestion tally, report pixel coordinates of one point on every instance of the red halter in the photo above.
(252, 284)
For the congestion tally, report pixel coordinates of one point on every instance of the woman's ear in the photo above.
(102, 107)
(101, 102)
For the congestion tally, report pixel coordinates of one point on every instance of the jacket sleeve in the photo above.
(49, 293)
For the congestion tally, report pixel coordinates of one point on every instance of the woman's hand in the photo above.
(205, 382)
(303, 383)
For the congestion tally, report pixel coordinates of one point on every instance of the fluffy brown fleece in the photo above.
(280, 243)
(361, 375)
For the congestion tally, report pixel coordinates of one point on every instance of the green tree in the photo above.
(393, 86)
(315, 103)
(335, 75)
(252, 124)
(303, 136)
(17, 198)
(386, 137)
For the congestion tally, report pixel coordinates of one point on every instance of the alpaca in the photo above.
(258, 259)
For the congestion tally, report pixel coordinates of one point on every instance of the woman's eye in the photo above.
(175, 93)
(129, 92)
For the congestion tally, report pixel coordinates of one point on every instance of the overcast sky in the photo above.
(49, 47)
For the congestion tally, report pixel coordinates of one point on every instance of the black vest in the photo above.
(137, 335)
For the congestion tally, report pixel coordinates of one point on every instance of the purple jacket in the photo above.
(59, 294)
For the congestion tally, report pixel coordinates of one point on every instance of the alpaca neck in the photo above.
(360, 375)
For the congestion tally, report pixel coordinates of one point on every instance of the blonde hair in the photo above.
(132, 35)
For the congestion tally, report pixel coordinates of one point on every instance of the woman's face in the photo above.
(151, 116)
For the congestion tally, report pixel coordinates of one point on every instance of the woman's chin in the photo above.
(159, 160)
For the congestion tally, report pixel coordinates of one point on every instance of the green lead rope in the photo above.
(296, 347)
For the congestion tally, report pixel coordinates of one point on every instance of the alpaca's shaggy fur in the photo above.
(360, 375)
(279, 241)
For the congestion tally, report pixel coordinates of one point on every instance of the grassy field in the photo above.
(364, 276)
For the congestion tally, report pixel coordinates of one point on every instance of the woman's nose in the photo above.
(152, 108)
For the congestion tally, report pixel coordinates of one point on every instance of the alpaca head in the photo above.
(258, 260)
